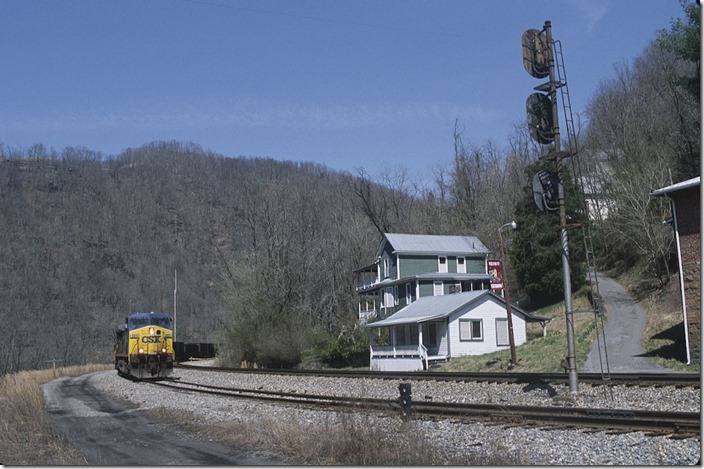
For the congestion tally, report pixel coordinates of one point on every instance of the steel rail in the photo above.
(681, 379)
(673, 424)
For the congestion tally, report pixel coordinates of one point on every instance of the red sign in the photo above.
(496, 273)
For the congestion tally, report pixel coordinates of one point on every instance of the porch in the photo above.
(408, 347)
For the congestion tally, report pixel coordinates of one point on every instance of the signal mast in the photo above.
(549, 194)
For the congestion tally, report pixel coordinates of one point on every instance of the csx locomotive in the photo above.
(144, 346)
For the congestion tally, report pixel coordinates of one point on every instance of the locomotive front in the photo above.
(145, 346)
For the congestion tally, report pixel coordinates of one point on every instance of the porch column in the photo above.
(393, 339)
(370, 335)
(423, 357)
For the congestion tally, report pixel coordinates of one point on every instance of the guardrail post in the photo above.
(405, 399)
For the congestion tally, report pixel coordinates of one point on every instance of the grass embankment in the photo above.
(663, 338)
(26, 433)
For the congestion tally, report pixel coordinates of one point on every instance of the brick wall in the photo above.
(688, 208)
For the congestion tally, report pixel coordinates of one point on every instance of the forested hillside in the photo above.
(88, 240)
(264, 250)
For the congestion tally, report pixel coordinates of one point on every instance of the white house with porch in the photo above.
(436, 328)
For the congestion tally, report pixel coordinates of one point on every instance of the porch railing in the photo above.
(397, 351)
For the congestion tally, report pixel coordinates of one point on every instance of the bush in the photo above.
(349, 348)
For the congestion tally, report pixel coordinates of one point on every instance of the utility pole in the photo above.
(507, 296)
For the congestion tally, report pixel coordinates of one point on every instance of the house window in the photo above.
(456, 288)
(388, 297)
(502, 332)
(442, 264)
(471, 330)
(461, 266)
(408, 294)
(396, 295)
(386, 267)
(437, 289)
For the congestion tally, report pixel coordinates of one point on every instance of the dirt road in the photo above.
(107, 433)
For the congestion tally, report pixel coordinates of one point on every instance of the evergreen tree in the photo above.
(535, 253)
(684, 40)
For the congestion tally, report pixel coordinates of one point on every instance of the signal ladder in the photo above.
(595, 296)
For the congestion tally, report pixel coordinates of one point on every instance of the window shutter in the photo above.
(501, 332)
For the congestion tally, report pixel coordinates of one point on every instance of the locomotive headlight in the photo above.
(141, 351)
(163, 350)
(151, 331)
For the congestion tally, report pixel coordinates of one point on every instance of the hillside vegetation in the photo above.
(264, 250)
(87, 240)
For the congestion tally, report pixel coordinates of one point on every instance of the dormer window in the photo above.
(386, 268)
(442, 264)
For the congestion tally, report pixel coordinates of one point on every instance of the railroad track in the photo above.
(593, 379)
(653, 423)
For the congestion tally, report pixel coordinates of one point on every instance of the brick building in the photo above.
(686, 220)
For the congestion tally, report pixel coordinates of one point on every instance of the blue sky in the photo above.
(373, 84)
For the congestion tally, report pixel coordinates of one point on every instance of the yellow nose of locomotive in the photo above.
(150, 345)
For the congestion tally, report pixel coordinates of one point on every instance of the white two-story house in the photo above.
(427, 298)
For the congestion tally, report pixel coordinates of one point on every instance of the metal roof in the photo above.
(429, 308)
(680, 186)
(435, 244)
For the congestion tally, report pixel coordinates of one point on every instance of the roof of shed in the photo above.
(435, 244)
(430, 308)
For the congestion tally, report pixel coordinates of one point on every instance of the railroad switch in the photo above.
(405, 399)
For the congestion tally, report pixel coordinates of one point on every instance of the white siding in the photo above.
(487, 311)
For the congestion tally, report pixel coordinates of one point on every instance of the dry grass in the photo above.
(348, 439)
(27, 436)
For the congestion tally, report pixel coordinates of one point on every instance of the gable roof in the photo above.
(433, 244)
(431, 308)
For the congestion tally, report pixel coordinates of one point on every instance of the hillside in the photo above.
(88, 240)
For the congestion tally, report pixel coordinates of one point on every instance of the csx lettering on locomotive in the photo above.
(153, 339)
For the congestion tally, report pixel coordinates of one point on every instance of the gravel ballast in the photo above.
(531, 446)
